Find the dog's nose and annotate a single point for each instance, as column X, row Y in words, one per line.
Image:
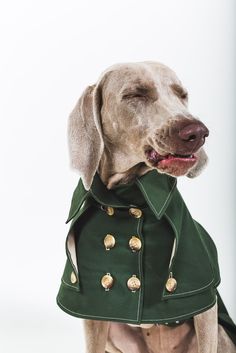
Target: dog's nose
column 194, row 133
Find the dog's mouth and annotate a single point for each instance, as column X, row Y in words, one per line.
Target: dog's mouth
column 172, row 163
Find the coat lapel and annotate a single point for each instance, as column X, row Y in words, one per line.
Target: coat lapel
column 157, row 190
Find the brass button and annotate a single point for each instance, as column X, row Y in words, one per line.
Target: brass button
column 73, row 278
column 133, row 283
column 109, row 241
column 107, row 281
column 135, row 243
column 110, row 210
column 171, row 284
column 135, row 212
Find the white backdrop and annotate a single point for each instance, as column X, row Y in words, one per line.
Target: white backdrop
column 50, row 51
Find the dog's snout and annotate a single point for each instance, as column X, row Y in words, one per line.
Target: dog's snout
column 194, row 133
column 185, row 136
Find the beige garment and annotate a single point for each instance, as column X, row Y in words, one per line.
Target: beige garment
column 166, row 339
column 201, row 335
column 158, row 339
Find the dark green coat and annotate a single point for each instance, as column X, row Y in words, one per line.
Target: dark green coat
column 173, row 245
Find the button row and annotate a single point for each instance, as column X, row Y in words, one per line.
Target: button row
column 133, row 282
column 135, row 243
column 134, row 212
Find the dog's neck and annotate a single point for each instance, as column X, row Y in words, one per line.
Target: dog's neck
column 111, row 179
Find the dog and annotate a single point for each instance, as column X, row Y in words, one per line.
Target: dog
column 134, row 120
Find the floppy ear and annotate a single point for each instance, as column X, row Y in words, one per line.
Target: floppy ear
column 200, row 165
column 85, row 138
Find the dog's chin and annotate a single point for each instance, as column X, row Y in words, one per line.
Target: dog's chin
column 202, row 161
column 175, row 164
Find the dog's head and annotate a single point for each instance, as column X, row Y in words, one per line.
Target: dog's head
column 136, row 114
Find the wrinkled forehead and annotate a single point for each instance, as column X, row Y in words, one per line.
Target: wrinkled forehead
column 149, row 75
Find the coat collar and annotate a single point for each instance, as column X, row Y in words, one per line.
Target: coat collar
column 156, row 190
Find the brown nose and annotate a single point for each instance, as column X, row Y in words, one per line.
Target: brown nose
column 194, row 134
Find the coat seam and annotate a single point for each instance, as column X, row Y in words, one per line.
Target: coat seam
column 92, row 316
column 166, row 200
column 182, row 293
column 193, row 312
column 140, row 271
column 193, row 291
column 175, row 248
column 69, row 285
column 151, row 204
column 121, row 318
column 70, row 217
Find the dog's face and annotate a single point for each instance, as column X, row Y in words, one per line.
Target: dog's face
column 139, row 116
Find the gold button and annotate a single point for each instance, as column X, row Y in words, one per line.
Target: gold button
column 136, row 212
column 171, row 284
column 107, row 281
column 109, row 241
column 133, row 283
column 110, row 210
column 73, row 278
column 135, row 243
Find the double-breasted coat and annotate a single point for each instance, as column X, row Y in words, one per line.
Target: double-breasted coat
column 136, row 255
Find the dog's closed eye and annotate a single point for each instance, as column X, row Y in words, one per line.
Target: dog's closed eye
column 179, row 91
column 139, row 93
column 135, row 96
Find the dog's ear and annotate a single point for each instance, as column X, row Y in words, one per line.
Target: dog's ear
column 85, row 137
column 200, row 165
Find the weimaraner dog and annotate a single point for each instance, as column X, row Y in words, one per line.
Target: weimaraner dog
column 133, row 120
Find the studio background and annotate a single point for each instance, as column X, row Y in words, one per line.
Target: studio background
column 50, row 51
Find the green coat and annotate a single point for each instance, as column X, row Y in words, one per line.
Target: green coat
column 138, row 236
